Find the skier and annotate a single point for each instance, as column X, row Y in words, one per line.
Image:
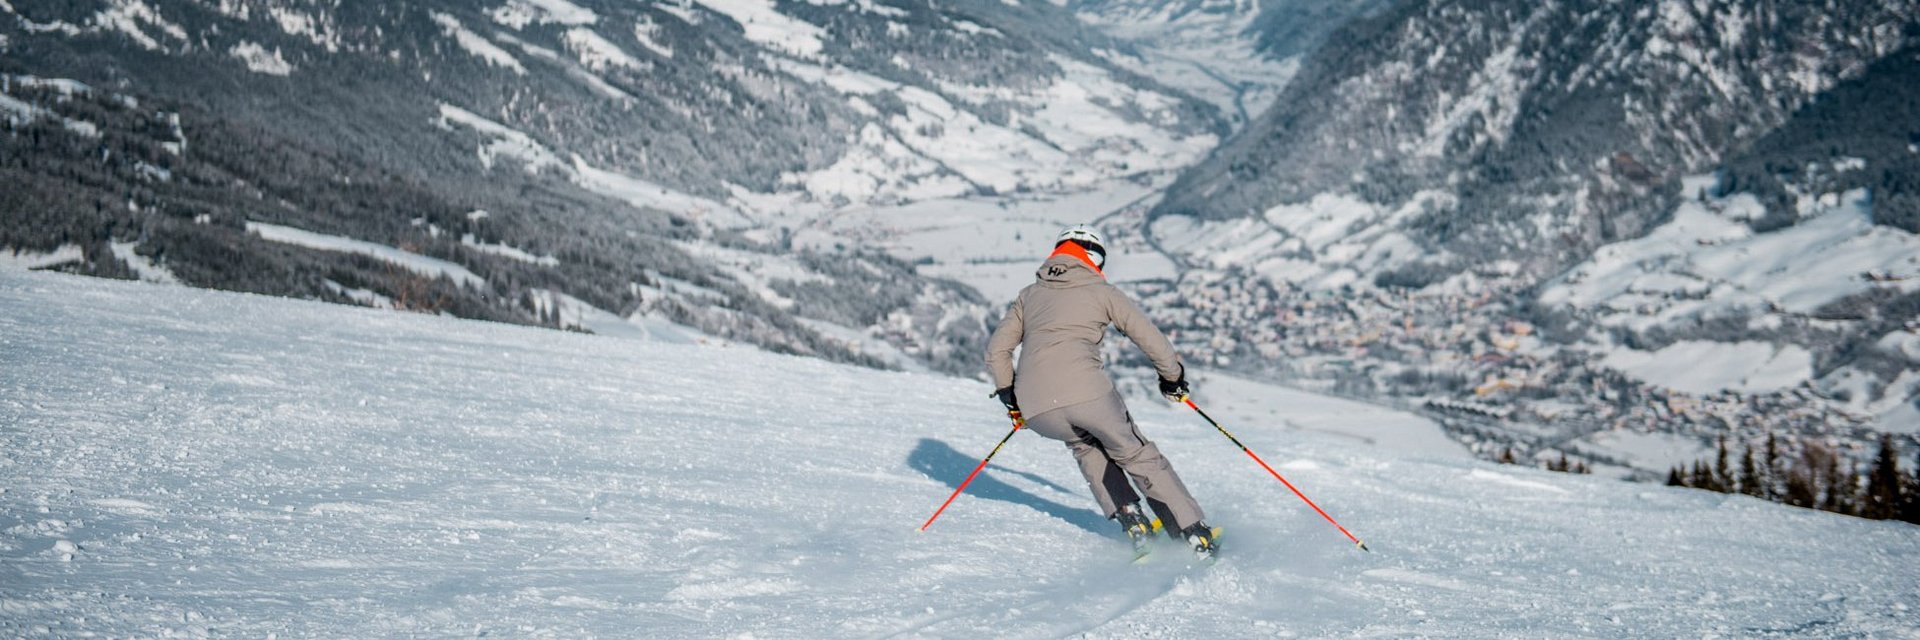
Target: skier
column 1063, row 393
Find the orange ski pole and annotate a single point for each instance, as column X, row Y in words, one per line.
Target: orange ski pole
column 1276, row 475
column 1017, row 423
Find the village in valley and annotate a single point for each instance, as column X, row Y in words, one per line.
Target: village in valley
column 1466, row 355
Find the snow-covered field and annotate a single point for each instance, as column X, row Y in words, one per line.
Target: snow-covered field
column 994, row 244
column 189, row 462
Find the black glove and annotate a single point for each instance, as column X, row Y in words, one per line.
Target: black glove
column 1175, row 389
column 1005, row 394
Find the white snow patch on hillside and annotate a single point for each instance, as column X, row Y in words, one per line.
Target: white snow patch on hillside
column 756, row 271
column 974, row 28
column 863, row 342
column 142, row 266
column 682, row 9
column 360, row 296
column 1080, row 130
column 1904, row 344
column 65, row 86
column 642, row 193
column 479, row 46
column 597, row 53
column 21, row 260
column 866, row 6
column 574, row 313
column 507, row 141
column 842, row 79
column 509, row 251
column 879, row 168
column 1702, row 367
column 127, row 16
column 424, row 476
column 512, row 143
column 573, row 71
column 1650, row 452
column 992, row 244
column 1706, row 261
column 1329, row 241
column 82, row 128
column 1080, row 114
column 315, row 30
column 259, row 60
column 517, row 14
column 423, row 265
column 647, row 33
column 765, row 25
column 21, row 112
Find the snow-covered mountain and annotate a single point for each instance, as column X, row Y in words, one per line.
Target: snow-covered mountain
column 1441, row 135
column 204, row 463
column 666, row 161
column 1494, row 209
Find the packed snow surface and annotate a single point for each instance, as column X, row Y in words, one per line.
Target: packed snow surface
column 191, row 462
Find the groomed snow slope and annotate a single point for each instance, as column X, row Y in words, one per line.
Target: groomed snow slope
column 202, row 463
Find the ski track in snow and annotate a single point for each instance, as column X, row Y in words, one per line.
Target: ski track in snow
column 188, row 462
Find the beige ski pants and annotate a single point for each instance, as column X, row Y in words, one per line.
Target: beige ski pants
column 1110, row 449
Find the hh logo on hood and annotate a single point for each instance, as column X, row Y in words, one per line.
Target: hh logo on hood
column 1056, row 271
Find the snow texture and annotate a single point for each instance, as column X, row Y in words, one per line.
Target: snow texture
column 192, row 462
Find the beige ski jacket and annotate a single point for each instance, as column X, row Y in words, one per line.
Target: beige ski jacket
column 1059, row 322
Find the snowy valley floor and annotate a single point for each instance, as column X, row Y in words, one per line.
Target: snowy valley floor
column 190, row 462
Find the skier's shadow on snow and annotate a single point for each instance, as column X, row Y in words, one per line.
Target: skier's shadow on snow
column 942, row 462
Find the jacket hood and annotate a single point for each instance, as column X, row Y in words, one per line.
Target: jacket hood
column 1065, row 270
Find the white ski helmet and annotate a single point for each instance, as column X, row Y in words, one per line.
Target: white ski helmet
column 1088, row 239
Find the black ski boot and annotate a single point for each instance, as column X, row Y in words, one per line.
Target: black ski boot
column 1204, row 540
column 1138, row 527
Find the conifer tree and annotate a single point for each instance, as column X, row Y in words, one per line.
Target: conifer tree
column 1702, row 478
column 1800, row 490
column 1774, row 474
column 1673, row 477
column 1722, row 474
column 1883, row 499
column 1840, row 485
column 1749, row 474
column 1851, row 500
column 1911, row 511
